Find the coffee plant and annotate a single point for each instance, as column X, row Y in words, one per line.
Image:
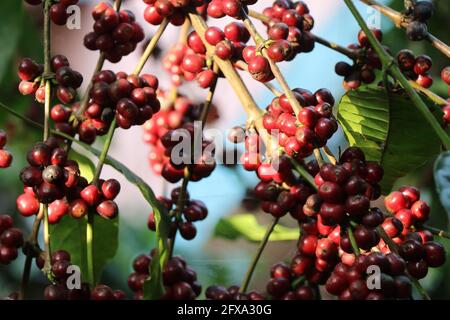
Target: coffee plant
column 352, row 224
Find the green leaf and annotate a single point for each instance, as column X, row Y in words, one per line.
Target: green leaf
column 70, row 234
column 246, row 226
column 11, row 16
column 389, row 130
column 442, row 179
column 87, row 168
column 153, row 287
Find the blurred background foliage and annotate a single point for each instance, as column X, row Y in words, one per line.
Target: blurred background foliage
column 21, row 36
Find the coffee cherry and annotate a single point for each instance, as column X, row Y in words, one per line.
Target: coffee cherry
column 277, row 287
column 182, row 291
column 434, row 254
column 308, row 244
column 27, row 205
column 102, row 292
column 78, row 209
column 364, row 40
column 5, row 158
column 416, row 30
column 107, row 209
column 396, row 201
column 411, row 250
column 445, row 75
column 58, row 14
column 421, row 211
column 417, row 269
column 423, row 10
column 12, row 238
column 392, row 226
column 55, row 292
column 110, row 189
column 187, row 230
column 365, row 237
column 358, row 290
column 331, row 192
column 6, row 222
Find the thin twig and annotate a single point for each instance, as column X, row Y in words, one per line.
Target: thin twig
column 262, row 246
column 399, row 21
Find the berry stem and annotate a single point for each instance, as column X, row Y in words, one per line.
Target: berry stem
column 85, row 98
column 399, row 22
column 393, row 247
column 184, row 31
column 262, row 245
column 106, row 146
column 151, row 46
column 351, row 236
column 30, row 247
column 304, row 174
column 319, row 158
column 259, row 16
column 331, row 157
column 438, row 232
column 91, row 213
column 243, row 65
column 259, row 41
column 188, row 170
column 430, row 94
column 352, row 54
column 389, row 64
column 48, row 93
column 298, row 281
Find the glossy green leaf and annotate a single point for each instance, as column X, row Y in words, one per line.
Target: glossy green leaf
column 246, row 226
column 442, row 179
column 389, row 130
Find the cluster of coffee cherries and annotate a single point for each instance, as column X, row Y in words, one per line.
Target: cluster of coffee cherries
column 130, row 99
column 174, row 10
column 66, row 79
column 173, row 125
column 409, row 213
column 282, row 285
column 232, row 8
column 290, row 21
column 316, row 119
column 53, row 179
column 415, row 68
column 10, row 239
column 116, row 34
column 417, row 16
column 58, row 291
column 58, row 10
column 5, row 156
column 280, row 191
column 203, row 162
column 180, row 281
column 353, row 282
column 193, row 211
column 363, row 68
